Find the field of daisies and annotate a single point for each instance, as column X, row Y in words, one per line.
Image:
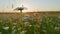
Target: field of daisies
column 30, row 24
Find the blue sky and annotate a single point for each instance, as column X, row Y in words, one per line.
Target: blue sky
column 42, row 5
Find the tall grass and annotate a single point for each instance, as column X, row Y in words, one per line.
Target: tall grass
column 31, row 25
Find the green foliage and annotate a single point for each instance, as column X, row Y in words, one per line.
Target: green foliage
column 31, row 25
